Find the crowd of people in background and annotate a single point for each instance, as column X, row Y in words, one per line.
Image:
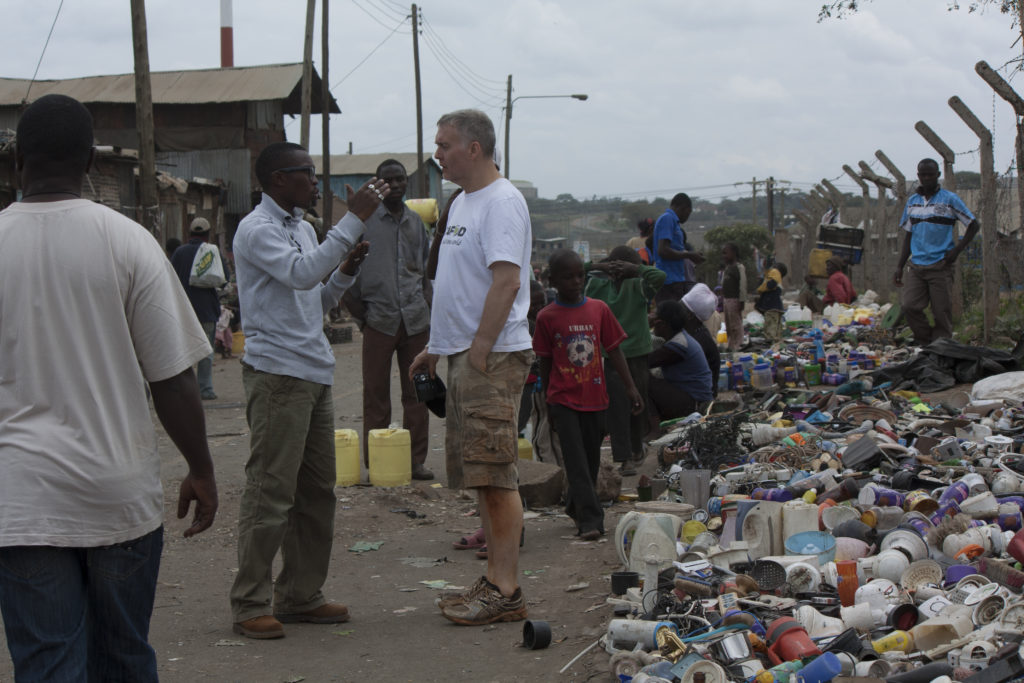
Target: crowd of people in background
column 620, row 347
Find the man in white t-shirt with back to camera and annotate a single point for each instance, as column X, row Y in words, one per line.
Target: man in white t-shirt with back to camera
column 91, row 313
column 478, row 321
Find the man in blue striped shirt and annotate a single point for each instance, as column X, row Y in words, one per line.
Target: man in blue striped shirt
column 929, row 220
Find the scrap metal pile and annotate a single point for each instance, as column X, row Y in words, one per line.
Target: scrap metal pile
column 856, row 533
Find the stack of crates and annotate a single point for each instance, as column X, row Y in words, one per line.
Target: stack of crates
column 842, row 240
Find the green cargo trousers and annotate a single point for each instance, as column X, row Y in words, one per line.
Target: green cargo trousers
column 288, row 503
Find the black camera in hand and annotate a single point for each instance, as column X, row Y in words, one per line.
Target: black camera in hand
column 430, row 390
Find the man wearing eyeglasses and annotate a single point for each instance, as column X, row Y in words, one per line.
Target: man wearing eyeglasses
column 287, row 371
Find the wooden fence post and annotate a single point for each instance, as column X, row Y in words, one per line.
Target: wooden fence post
column 990, row 284
column 861, row 282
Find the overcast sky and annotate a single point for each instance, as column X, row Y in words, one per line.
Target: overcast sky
column 691, row 95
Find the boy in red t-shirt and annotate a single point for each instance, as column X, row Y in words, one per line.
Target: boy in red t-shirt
column 569, row 337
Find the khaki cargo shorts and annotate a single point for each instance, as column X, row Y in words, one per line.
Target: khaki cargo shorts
column 481, row 442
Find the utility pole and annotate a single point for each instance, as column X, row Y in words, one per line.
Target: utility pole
column 508, row 119
column 753, row 200
column 325, row 103
column 149, row 201
column 769, row 187
column 421, row 182
column 307, row 74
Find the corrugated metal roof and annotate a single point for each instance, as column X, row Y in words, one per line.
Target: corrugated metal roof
column 366, row 164
column 200, row 86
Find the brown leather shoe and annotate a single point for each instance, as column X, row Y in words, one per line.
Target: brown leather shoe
column 327, row 613
column 264, row 627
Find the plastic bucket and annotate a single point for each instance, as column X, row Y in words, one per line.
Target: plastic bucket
column 346, row 456
column 238, row 343
column 788, row 640
column 390, row 452
column 817, row 543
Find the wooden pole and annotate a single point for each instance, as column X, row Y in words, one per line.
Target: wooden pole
column 990, row 283
column 421, row 181
column 307, row 74
column 900, row 188
column 879, row 267
column 835, row 195
column 944, row 150
column 508, row 119
column 149, row 201
column 325, row 103
column 1004, row 90
column 860, row 273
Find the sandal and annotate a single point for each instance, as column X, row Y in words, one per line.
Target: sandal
column 474, row 540
column 482, row 553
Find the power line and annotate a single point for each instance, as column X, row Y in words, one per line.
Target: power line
column 369, row 13
column 430, row 29
column 491, row 104
column 45, row 45
column 396, row 6
column 454, row 71
column 363, row 60
column 388, row 10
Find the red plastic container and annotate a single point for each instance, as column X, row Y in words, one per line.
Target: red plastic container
column 1016, row 547
column 788, row 640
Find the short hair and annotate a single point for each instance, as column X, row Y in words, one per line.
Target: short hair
column 624, row 253
column 389, row 162
column 473, row 126
column 56, row 128
column 781, row 267
column 171, row 245
column 271, row 159
column 672, row 313
column 734, row 247
column 929, row 161
column 682, row 200
column 536, row 287
column 562, row 258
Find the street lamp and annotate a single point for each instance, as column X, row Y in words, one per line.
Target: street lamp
column 509, row 100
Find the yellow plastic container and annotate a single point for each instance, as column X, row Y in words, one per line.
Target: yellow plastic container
column 816, row 262
column 346, row 455
column 722, row 338
column 238, row 343
column 896, row 640
column 390, row 457
column 525, row 449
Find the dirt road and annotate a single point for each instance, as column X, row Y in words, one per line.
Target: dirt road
column 396, row 633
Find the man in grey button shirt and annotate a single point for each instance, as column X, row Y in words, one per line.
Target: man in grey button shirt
column 391, row 302
column 288, row 504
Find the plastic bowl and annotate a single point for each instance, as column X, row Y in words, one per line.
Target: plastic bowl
column 817, row 543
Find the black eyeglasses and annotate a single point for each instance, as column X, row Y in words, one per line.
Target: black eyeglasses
column 309, row 170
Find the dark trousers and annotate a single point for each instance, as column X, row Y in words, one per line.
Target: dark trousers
column 580, row 436
column 81, row 614
column 378, row 349
column 924, row 286
column 673, row 291
column 668, row 401
column 625, row 429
